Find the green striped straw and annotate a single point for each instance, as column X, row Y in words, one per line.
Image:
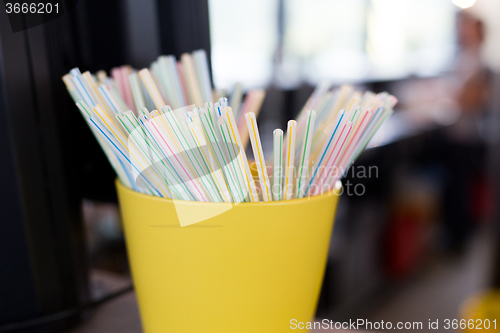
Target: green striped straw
column 304, row 154
column 231, row 150
column 206, row 156
column 178, row 187
column 187, row 150
column 136, row 92
column 218, row 148
column 139, row 137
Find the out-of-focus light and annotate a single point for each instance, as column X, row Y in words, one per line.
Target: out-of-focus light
column 464, row 3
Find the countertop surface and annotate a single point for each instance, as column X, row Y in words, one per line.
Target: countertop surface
column 120, row 314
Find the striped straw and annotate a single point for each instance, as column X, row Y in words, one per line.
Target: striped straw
column 139, row 138
column 167, row 143
column 290, row 158
column 326, row 147
column 258, row 154
column 151, row 88
column 119, row 168
column 192, row 83
column 346, row 155
column 332, row 157
column 304, row 155
column 70, row 86
column 199, row 163
column 200, row 154
column 76, row 76
column 182, row 79
column 168, row 82
column 201, row 62
column 117, row 141
column 136, row 92
column 232, row 156
column 235, row 136
column 171, row 66
column 223, row 162
column 136, row 158
column 207, row 158
column 178, row 182
column 235, row 99
column 171, row 125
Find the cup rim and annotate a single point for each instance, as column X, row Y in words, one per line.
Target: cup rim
column 335, row 191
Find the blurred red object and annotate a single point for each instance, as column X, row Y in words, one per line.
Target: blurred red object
column 405, row 245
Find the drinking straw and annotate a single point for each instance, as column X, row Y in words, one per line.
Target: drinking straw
column 344, row 159
column 115, row 74
column 332, row 157
column 258, row 154
column 183, row 83
column 253, row 103
column 168, row 82
column 138, row 137
column 355, row 114
column 76, row 76
column 171, row 124
column 136, row 92
column 304, row 156
column 219, row 93
column 226, row 114
column 326, row 147
column 235, row 99
column 277, row 163
column 151, row 88
column 200, row 154
column 136, row 158
column 223, row 162
column 197, row 160
column 201, row 63
column 192, row 84
column 207, row 158
column 369, row 98
column 109, row 99
column 232, row 153
column 352, row 114
column 373, row 127
column 119, row 168
column 178, row 182
column 229, row 117
column 117, row 140
column 70, row 86
column 319, row 91
column 326, row 125
column 167, row 143
column 156, row 76
column 117, row 156
column 213, row 114
column 128, row 95
column 150, row 105
column 329, row 99
column 91, row 86
column 311, row 103
column 122, row 106
column 171, row 66
column 290, row 158
column 101, row 76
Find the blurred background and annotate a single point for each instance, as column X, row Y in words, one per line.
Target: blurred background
column 419, row 242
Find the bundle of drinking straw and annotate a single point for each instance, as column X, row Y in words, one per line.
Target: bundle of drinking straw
column 196, row 151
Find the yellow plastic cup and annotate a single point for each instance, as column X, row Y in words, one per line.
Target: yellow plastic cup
column 253, row 268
